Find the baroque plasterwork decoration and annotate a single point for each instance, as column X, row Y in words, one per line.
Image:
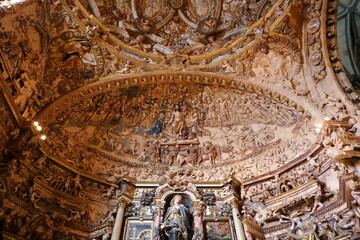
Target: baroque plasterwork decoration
column 156, row 22
column 120, row 91
column 82, row 48
column 154, row 121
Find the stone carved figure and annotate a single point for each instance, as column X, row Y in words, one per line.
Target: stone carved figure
column 157, row 216
column 39, row 163
column 35, row 197
column 312, row 161
column 271, row 64
column 177, row 123
column 177, row 224
column 209, row 153
column 356, row 195
column 77, row 185
column 44, row 226
column 333, row 107
column 78, row 54
column 342, row 225
column 109, row 193
column 158, row 126
column 198, row 232
column 319, row 198
column 110, row 217
column 317, row 201
column 303, row 229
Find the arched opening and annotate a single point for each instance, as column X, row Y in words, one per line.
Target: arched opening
column 349, row 38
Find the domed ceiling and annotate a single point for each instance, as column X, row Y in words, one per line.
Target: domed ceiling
column 159, row 90
column 173, row 34
column 177, row 27
column 110, row 102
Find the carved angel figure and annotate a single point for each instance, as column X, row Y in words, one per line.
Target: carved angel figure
column 333, row 107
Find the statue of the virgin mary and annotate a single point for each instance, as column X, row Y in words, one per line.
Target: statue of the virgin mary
column 177, row 225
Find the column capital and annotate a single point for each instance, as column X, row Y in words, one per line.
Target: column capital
column 197, row 205
column 122, row 202
column 159, row 204
column 233, row 202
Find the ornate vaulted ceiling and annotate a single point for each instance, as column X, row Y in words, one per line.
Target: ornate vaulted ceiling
column 97, row 93
column 112, row 77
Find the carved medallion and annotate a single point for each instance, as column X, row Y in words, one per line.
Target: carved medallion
column 200, row 8
column 313, row 25
column 151, row 9
column 207, row 26
column 315, row 58
column 176, row 4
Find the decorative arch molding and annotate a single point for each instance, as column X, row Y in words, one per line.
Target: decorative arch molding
column 320, row 39
column 186, row 77
column 164, row 191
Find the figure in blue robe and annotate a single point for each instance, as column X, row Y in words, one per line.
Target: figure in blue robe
column 158, row 127
column 177, row 224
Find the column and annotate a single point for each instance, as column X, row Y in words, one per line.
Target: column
column 116, row 233
column 239, row 228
